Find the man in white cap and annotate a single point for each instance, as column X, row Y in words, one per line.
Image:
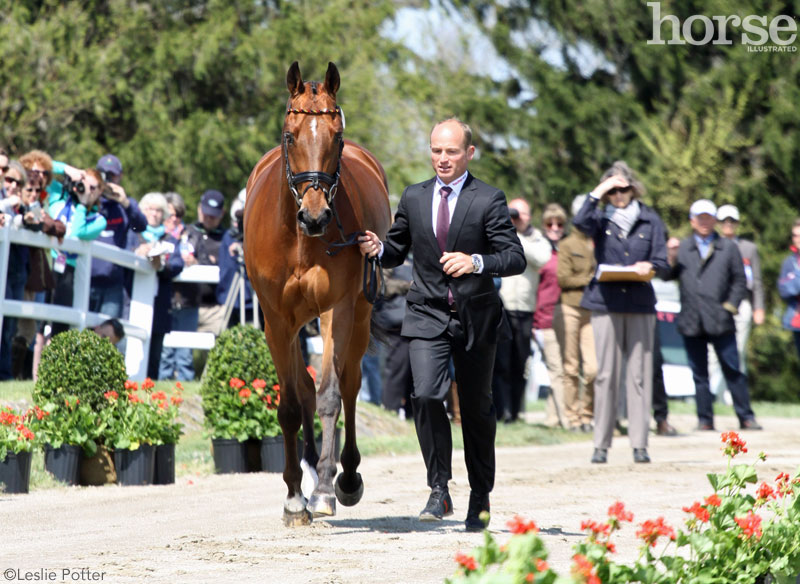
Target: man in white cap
column 751, row 310
column 712, row 284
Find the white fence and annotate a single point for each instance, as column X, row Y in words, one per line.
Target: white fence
column 145, row 285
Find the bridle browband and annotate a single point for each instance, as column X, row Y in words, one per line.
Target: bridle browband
column 313, row 177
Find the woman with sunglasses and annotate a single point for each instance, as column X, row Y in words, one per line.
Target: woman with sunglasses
column 630, row 234
column 547, row 294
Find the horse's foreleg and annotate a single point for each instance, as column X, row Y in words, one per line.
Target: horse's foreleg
column 282, row 348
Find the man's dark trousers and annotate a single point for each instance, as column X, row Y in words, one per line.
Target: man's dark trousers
column 429, row 361
column 728, row 355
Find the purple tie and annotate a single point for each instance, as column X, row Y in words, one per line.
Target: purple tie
column 443, row 218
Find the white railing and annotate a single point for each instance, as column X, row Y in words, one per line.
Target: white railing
column 137, row 326
column 145, row 286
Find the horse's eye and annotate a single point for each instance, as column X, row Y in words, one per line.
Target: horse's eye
column 289, row 138
column 338, row 137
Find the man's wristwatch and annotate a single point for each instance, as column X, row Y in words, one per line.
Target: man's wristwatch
column 477, row 263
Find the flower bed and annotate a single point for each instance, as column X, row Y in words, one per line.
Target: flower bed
column 731, row 536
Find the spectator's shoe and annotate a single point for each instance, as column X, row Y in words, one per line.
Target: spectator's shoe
column 600, row 456
column 640, row 455
column 439, row 505
column 664, row 428
column 705, row 427
column 478, row 505
column 587, row 428
column 751, row 425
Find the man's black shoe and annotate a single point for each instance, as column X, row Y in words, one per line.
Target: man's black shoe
column 600, row 456
column 439, row 505
column 477, row 504
column 751, row 425
column 640, row 455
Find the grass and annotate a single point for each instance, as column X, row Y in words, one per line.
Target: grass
column 386, row 435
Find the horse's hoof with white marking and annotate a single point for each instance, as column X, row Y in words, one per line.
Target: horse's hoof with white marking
column 294, row 511
column 322, row 505
column 349, row 499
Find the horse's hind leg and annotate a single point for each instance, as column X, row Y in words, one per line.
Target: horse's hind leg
column 349, row 486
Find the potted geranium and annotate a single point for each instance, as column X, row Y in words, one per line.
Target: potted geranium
column 243, row 412
column 130, row 426
column 237, row 428
column 166, row 432
column 16, row 443
column 66, row 429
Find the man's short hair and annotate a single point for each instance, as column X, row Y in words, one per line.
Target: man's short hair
column 464, row 128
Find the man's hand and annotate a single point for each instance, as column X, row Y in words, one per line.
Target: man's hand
column 673, row 243
column 116, row 193
column 758, row 316
column 613, row 182
column 643, row 268
column 456, row 263
column 369, row 244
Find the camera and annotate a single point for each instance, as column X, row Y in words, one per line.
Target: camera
column 74, row 188
column 513, row 213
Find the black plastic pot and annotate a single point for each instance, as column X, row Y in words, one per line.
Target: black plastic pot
column 164, row 473
column 229, row 455
column 273, row 457
column 63, row 462
column 135, row 467
column 15, row 472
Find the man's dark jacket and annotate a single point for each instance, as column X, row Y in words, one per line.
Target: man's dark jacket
column 711, row 289
column 480, row 225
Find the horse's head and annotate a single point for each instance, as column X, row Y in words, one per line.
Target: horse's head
column 312, row 147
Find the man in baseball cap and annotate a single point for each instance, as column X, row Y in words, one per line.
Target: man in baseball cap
column 110, row 165
column 212, row 203
column 712, row 285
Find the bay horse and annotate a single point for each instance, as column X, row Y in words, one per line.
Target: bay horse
column 307, row 200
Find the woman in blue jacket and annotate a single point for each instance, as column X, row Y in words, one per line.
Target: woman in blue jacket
column 789, row 286
column 627, row 234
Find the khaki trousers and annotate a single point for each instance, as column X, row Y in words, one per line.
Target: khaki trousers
column 573, row 328
column 623, row 337
column 555, row 414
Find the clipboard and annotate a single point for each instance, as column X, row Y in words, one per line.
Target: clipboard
column 611, row 273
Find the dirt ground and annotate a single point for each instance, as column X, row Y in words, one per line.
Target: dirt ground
column 227, row 528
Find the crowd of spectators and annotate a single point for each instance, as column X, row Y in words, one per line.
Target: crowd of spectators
column 91, row 204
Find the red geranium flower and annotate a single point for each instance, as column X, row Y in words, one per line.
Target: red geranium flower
column 519, row 526
column 651, row 530
column 750, row 525
column 131, row 385
column 176, row 400
column 259, row 384
column 148, row 384
column 583, row 568
column 245, row 393
column 713, row 500
column 111, row 395
column 733, row 444
column 467, row 562
column 765, row 492
column 159, row 396
column 236, row 383
column 595, row 527
column 618, row 510
column 698, row 511
column 541, row 565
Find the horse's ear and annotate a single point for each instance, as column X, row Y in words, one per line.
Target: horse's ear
column 294, row 81
column 332, row 79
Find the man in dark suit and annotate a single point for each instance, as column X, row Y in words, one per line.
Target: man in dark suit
column 453, row 309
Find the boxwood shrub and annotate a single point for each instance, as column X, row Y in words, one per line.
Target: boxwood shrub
column 82, row 364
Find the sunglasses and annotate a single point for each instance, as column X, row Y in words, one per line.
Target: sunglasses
column 29, row 189
column 617, row 190
column 4, row 169
column 39, row 172
column 11, row 179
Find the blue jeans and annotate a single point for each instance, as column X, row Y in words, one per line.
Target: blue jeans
column 178, row 363
column 107, row 300
column 728, row 356
column 371, row 387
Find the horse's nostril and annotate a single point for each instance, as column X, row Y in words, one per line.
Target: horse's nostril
column 325, row 217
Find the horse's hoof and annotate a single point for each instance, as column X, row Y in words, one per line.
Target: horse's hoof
column 349, row 499
column 322, row 505
column 298, row 519
column 310, row 478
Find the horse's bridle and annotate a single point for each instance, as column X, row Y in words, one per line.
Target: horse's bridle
column 313, row 177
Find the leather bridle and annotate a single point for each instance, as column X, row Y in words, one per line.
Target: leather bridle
column 314, row 178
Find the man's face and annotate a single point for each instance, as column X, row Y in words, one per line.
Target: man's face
column 209, row 222
column 703, row 224
column 449, row 157
column 521, row 223
column 728, row 227
column 92, row 186
column 37, row 176
column 106, row 331
column 796, row 237
column 112, row 178
column 3, row 165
